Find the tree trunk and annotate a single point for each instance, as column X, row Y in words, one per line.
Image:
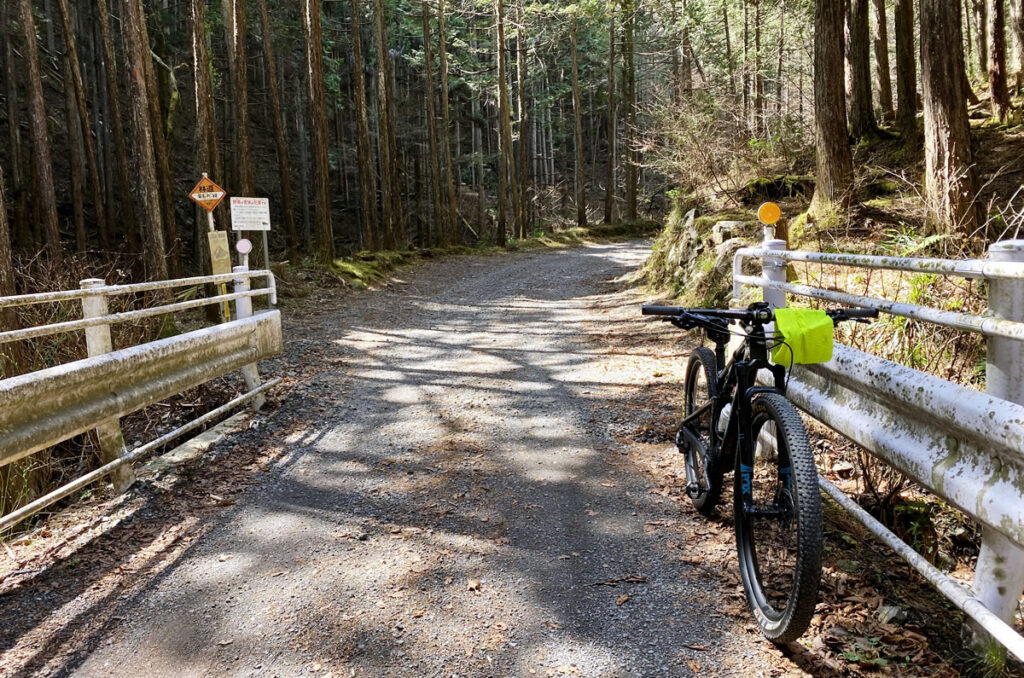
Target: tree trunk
column 581, row 178
column 446, row 123
column 85, row 125
column 906, row 73
column 391, row 194
column 75, row 160
column 862, row 113
column 367, row 177
column 523, row 181
column 881, row 40
column 609, row 189
column 1017, row 32
column 283, row 164
column 45, row 195
column 758, row 74
column 10, row 354
column 980, row 12
column 318, row 124
column 997, row 59
column 117, row 126
column 728, row 49
column 161, row 149
column 629, row 87
column 950, row 185
column 7, row 289
column 440, row 227
column 833, row 160
column 782, row 54
column 145, row 184
column 20, row 232
column 504, row 124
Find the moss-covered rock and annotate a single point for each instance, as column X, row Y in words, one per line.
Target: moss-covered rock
column 687, row 262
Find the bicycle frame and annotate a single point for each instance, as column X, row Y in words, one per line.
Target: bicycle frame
column 737, row 384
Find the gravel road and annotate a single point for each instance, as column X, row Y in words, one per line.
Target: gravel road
column 454, row 505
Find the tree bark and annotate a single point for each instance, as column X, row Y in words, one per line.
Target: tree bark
column 504, row 124
column 979, row 9
column 862, row 113
column 833, row 160
column 435, row 152
column 45, row 195
column 145, row 184
column 758, row 74
column 75, row 160
column 950, row 184
column 881, row 40
column 446, row 123
column 782, row 54
column 523, row 181
column 117, row 126
column 10, row 354
column 312, row 33
column 906, row 73
column 85, row 125
column 283, row 163
column 581, row 178
column 609, row 189
column 160, row 143
column 629, row 87
column 728, row 49
column 998, row 92
column 391, row 194
column 367, row 177
column 1017, row 32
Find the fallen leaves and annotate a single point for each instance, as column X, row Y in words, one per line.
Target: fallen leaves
column 622, row 600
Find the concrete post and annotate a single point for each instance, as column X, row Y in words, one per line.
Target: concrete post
column 98, row 342
column 243, row 309
column 999, row 575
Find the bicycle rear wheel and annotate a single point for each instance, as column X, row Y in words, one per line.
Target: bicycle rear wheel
column 777, row 511
column 697, row 439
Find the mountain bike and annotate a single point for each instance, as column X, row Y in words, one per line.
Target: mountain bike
column 731, row 422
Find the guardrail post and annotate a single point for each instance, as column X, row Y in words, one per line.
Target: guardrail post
column 999, row 575
column 98, row 342
column 243, row 309
column 774, row 269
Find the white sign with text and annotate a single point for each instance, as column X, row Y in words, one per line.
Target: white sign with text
column 250, row 214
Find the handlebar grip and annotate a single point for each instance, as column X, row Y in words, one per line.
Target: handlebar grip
column 861, row 312
column 662, row 310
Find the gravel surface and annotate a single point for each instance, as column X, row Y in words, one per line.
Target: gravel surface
column 451, row 499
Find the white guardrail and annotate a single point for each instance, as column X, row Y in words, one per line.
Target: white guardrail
column 965, row 446
column 46, row 407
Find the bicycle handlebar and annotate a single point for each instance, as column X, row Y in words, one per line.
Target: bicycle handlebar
column 727, row 313
column 752, row 314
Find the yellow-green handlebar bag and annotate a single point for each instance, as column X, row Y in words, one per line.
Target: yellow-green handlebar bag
column 808, row 336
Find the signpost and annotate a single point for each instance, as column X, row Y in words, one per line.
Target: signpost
column 208, row 195
column 252, row 214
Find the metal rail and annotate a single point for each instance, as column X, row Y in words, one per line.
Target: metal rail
column 135, row 288
column 126, row 316
column 38, row 505
column 43, row 408
column 985, row 269
column 966, row 447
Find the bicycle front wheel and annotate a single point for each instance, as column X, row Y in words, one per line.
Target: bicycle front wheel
column 697, row 439
column 777, row 509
